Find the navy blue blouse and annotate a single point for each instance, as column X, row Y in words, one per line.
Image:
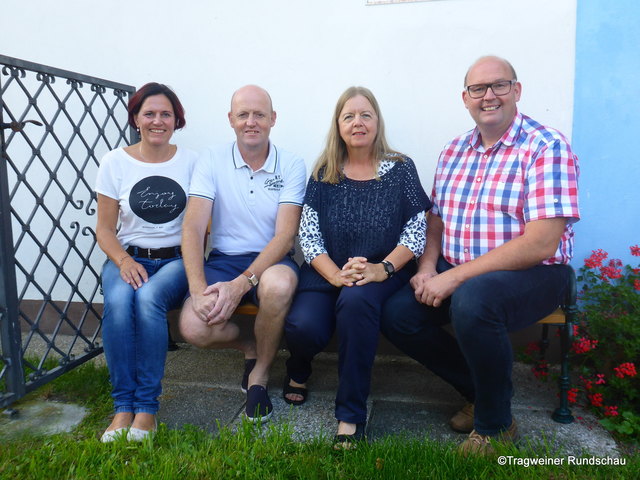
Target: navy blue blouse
column 366, row 218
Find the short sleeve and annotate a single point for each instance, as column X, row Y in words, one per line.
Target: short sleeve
column 202, row 181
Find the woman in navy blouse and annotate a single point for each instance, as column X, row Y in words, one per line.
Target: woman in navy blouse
column 363, row 222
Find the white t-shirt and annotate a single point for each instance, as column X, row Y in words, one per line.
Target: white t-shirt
column 245, row 203
column 152, row 196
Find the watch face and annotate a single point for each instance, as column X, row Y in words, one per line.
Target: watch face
column 388, row 268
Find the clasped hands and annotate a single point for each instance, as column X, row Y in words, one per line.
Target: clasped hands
column 358, row 271
column 216, row 304
column 432, row 288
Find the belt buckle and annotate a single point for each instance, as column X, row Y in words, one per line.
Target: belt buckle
column 149, row 254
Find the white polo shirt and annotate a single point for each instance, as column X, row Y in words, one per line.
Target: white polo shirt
column 245, row 203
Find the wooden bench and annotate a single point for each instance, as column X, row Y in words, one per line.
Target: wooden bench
column 564, row 319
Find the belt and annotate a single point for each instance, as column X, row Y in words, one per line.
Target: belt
column 154, row 253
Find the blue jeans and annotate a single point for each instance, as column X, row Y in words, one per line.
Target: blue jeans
column 355, row 313
column 134, row 331
column 482, row 311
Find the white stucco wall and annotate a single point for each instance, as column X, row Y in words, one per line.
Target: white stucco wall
column 412, row 55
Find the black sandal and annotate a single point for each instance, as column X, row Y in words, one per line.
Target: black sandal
column 288, row 389
column 349, row 442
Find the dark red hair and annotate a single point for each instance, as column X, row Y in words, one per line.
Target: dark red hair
column 153, row 88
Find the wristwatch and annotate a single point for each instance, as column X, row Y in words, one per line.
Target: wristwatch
column 251, row 277
column 389, row 269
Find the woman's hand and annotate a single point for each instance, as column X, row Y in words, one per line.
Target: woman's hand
column 132, row 272
column 360, row 272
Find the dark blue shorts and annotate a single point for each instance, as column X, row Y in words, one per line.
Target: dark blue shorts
column 222, row 268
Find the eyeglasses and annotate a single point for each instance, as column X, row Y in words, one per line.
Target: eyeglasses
column 499, row 88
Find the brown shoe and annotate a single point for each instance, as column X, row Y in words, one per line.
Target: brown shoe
column 477, row 444
column 462, row 421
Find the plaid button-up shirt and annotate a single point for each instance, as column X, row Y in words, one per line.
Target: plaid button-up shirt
column 485, row 197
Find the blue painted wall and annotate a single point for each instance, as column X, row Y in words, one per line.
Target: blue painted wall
column 606, row 127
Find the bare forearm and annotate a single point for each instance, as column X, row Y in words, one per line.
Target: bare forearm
column 111, row 246
column 192, row 256
column 433, row 248
column 272, row 253
column 399, row 256
column 325, row 267
column 539, row 242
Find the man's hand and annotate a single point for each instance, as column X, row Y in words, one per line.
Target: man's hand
column 418, row 281
column 203, row 303
column 228, row 296
column 432, row 288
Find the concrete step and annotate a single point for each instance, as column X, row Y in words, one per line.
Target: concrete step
column 202, row 388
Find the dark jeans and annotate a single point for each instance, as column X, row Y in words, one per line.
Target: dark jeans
column 355, row 313
column 482, row 311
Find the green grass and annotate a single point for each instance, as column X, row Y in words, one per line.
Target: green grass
column 253, row 452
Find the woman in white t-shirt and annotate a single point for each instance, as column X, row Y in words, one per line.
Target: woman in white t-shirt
column 142, row 195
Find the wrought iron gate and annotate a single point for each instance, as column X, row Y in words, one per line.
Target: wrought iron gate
column 49, row 259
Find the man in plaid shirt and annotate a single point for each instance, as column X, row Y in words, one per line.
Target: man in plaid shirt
column 499, row 234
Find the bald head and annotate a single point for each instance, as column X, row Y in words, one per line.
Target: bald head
column 252, row 117
column 490, row 58
column 253, row 92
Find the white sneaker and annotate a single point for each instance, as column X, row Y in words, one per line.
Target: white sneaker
column 112, row 435
column 138, row 435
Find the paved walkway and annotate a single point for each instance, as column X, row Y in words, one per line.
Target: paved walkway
column 202, row 388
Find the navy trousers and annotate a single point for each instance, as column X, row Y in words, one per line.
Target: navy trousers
column 482, row 311
column 354, row 312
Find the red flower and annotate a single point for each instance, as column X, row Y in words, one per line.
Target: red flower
column 532, row 347
column 572, row 395
column 600, row 380
column 595, row 399
column 583, row 345
column 611, row 271
column 541, row 370
column 596, row 258
column 635, row 250
column 610, row 411
column 636, row 283
column 625, row 369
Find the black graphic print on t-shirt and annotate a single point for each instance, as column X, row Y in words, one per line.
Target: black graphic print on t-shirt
column 157, row 199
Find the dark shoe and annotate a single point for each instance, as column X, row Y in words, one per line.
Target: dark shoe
column 462, row 421
column 349, row 442
column 288, row 389
column 248, row 367
column 259, row 408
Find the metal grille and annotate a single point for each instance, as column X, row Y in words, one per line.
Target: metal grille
column 50, row 263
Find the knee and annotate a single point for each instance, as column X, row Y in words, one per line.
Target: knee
column 118, row 304
column 148, row 297
column 277, row 285
column 302, row 334
column 191, row 328
column 473, row 305
column 357, row 303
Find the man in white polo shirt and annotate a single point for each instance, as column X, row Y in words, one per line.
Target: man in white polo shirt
column 252, row 192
